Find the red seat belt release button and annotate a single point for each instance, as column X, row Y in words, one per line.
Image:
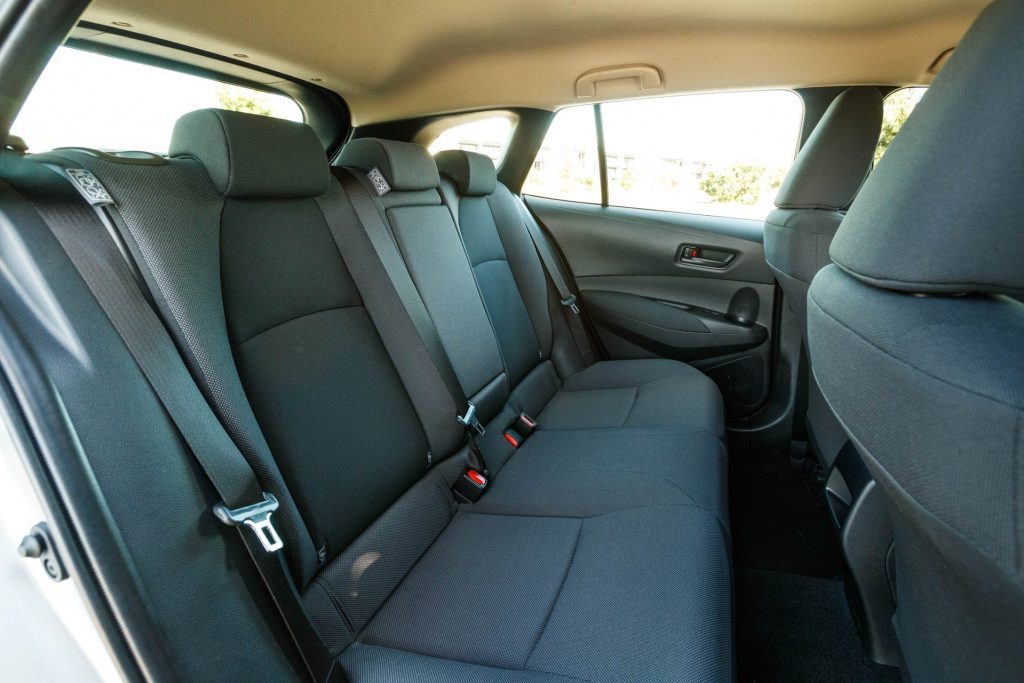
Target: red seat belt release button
column 470, row 486
column 512, row 437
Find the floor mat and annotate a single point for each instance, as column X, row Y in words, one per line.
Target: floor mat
column 779, row 520
column 798, row 628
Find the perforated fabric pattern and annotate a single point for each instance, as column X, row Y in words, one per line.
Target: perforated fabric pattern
column 374, row 664
column 653, row 587
column 363, row 577
column 173, row 214
column 253, row 157
column 486, row 575
column 948, row 425
column 433, row 400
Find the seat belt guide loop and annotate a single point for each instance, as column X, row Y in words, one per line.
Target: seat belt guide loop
column 570, row 301
column 470, row 421
column 257, row 518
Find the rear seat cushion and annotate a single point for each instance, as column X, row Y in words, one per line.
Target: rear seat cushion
column 638, row 595
column 583, row 472
column 637, row 393
column 648, row 392
column 619, row 572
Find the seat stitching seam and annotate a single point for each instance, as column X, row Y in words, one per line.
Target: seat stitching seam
column 298, row 317
column 336, row 602
column 413, row 566
column 558, row 594
column 1017, row 494
column 449, row 658
column 632, row 406
column 659, row 506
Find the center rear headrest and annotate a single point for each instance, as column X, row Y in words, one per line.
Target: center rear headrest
column 837, row 156
column 942, row 211
column 473, row 173
column 406, row 166
column 249, row 156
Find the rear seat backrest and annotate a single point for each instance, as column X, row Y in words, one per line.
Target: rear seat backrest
column 300, row 336
column 241, row 260
column 511, row 277
column 436, row 258
column 247, row 269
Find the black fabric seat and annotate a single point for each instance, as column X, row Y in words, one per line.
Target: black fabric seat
column 915, row 334
column 493, row 284
column 650, row 417
column 811, row 203
column 579, row 563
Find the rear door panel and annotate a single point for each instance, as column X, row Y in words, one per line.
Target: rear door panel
column 646, row 300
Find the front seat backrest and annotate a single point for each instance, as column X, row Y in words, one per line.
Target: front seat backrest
column 818, row 189
column 916, row 343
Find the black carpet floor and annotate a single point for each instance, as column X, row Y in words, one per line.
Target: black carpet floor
column 792, row 619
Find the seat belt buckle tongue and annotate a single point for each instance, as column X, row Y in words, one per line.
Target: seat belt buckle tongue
column 470, row 421
column 470, row 486
column 256, row 517
column 570, row 301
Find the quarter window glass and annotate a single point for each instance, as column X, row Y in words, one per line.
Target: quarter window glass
column 90, row 100
column 896, row 109
column 566, row 167
column 486, row 136
column 720, row 154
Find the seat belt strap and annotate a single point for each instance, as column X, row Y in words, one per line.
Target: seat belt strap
column 84, row 237
column 573, row 315
column 393, row 302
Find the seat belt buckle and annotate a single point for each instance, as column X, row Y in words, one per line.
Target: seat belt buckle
column 570, row 301
column 469, row 419
column 470, row 486
column 525, row 425
column 256, row 517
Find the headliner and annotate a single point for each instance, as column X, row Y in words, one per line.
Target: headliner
column 395, row 60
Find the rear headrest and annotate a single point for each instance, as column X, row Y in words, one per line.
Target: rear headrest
column 837, row 156
column 405, row 165
column 942, row 211
column 473, row 173
column 253, row 157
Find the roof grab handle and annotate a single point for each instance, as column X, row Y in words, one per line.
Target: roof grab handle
column 646, row 77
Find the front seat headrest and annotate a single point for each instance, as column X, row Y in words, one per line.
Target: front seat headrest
column 836, row 158
column 942, row 211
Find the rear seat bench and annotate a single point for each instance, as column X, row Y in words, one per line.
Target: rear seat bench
column 600, row 551
column 655, row 422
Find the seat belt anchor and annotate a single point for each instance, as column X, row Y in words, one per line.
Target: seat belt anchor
column 470, row 421
column 570, row 301
column 256, row 517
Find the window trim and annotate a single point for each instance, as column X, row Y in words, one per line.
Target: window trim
column 322, row 109
column 602, row 157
